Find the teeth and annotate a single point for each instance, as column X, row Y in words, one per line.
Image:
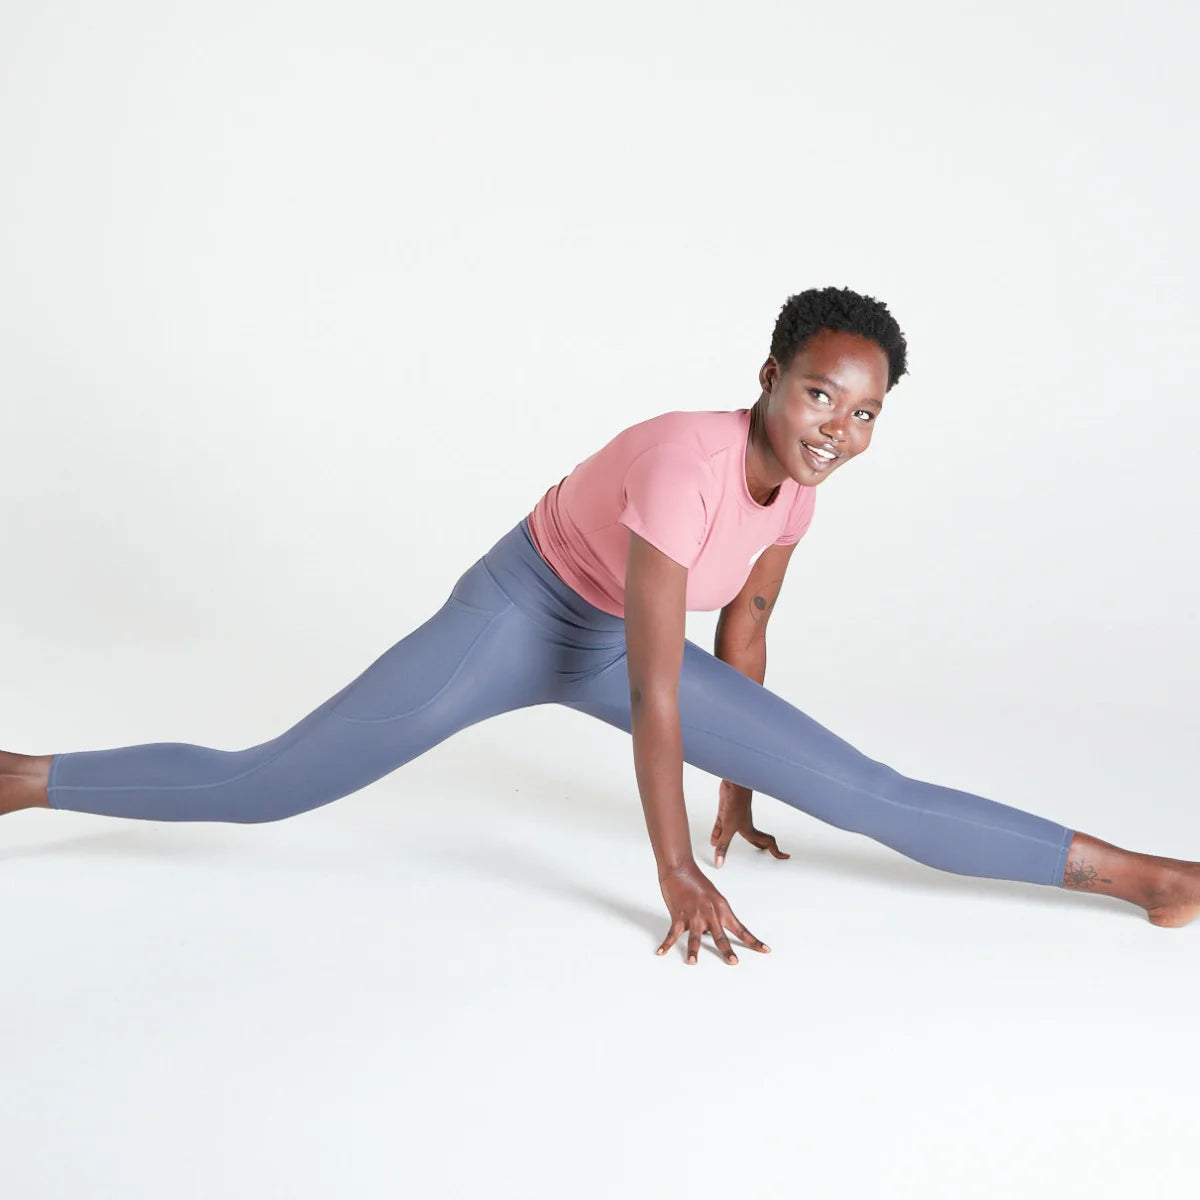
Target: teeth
column 825, row 454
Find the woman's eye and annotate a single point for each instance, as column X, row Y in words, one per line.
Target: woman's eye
column 866, row 413
column 817, row 392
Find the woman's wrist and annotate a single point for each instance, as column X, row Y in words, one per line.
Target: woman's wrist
column 675, row 865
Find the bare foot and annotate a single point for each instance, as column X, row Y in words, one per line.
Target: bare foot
column 1177, row 900
column 1167, row 888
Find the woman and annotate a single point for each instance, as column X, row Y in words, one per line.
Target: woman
column 582, row 603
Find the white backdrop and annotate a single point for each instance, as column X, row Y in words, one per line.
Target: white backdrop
column 304, row 305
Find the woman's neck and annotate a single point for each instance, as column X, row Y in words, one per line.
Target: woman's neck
column 754, row 449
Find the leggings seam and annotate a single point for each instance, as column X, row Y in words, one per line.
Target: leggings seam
column 476, row 608
column 863, row 791
column 177, row 787
column 408, row 712
column 484, row 564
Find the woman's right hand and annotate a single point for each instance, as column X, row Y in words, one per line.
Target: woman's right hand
column 696, row 906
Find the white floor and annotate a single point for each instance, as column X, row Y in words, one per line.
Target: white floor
column 445, row 984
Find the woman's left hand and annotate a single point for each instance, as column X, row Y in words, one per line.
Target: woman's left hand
column 733, row 816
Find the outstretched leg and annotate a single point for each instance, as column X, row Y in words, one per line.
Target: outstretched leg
column 476, row 657
column 736, row 729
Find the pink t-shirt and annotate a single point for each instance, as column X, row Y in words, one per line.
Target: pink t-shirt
column 679, row 481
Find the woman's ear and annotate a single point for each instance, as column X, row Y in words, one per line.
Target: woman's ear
column 768, row 373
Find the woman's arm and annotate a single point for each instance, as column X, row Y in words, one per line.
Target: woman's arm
column 742, row 625
column 655, row 615
column 741, row 641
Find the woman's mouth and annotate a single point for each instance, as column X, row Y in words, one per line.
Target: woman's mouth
column 818, row 459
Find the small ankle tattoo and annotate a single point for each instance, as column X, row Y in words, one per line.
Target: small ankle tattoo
column 1081, row 874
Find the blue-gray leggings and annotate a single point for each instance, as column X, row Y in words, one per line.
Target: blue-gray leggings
column 510, row 635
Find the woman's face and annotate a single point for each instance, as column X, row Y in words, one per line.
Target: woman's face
column 822, row 410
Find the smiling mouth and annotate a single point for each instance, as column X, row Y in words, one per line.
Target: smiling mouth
column 817, row 459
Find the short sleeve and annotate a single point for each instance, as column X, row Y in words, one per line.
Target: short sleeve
column 665, row 499
column 799, row 517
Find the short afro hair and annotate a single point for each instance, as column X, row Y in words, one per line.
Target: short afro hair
column 838, row 308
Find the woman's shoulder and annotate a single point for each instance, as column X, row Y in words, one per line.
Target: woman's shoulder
column 688, row 421
column 702, row 433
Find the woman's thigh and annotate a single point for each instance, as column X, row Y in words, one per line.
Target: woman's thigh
column 736, row 729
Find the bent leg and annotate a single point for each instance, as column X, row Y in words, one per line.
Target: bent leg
column 476, row 657
column 736, row 729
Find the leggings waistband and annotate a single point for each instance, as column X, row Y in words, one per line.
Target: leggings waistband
column 530, row 582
